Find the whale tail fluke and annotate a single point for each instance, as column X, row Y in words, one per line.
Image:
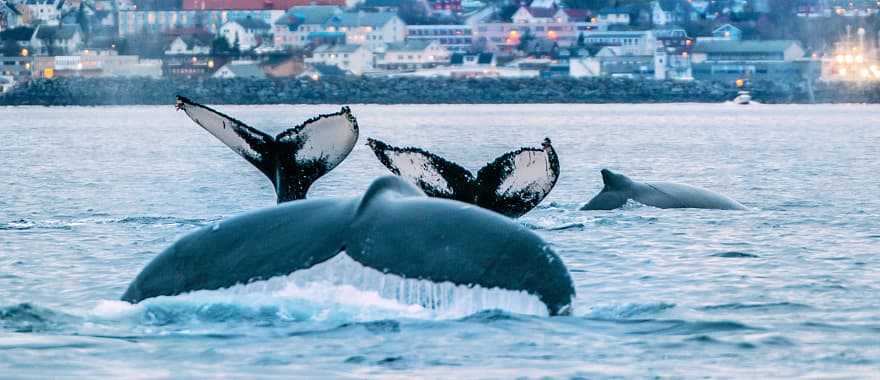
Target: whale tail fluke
column 435, row 175
column 511, row 185
column 292, row 160
column 518, row 181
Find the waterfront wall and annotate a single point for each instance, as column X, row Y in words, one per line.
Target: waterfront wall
column 353, row 90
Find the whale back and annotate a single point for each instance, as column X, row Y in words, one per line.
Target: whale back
column 250, row 247
column 677, row 195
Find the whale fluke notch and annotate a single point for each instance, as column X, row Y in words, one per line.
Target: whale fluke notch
column 292, row 160
column 393, row 229
column 512, row 184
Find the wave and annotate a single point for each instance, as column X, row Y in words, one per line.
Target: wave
column 682, row 327
column 755, row 307
column 627, row 311
column 25, row 317
column 734, row 255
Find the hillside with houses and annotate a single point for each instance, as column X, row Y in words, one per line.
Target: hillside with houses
column 728, row 41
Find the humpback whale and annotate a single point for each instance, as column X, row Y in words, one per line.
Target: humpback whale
column 512, row 185
column 619, row 188
column 393, row 231
column 292, row 160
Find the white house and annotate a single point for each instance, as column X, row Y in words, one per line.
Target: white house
column 354, row 58
column 671, row 12
column 248, row 33
column 373, row 30
column 293, row 29
column 54, row 40
column 188, row 46
column 412, row 55
column 240, row 69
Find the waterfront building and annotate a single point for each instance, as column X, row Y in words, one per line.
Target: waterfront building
column 96, row 64
column 353, row 58
column 412, row 55
column 628, row 42
column 452, row 37
column 240, row 69
column 749, row 59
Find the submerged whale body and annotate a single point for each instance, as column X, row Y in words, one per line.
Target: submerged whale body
column 393, row 230
column 619, row 188
column 512, row 185
column 295, row 158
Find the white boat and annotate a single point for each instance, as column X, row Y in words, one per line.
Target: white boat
column 743, row 98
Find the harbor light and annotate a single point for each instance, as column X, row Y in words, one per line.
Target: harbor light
column 839, row 58
column 25, row 52
column 848, row 58
column 210, row 63
column 860, row 58
column 740, row 83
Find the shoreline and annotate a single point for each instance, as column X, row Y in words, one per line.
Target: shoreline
column 425, row 91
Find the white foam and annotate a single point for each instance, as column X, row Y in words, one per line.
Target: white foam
column 418, row 168
column 345, row 284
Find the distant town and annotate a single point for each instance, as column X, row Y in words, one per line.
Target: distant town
column 733, row 42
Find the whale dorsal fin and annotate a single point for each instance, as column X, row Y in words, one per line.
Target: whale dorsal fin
column 293, row 160
column 615, row 181
column 436, row 176
column 518, row 181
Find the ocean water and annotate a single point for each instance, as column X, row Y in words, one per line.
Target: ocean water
column 788, row 289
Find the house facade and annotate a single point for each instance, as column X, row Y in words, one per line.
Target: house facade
column 294, row 28
column 412, row 55
column 247, row 33
column 766, row 59
column 452, row 37
column 372, row 30
column 356, row 59
column 56, row 40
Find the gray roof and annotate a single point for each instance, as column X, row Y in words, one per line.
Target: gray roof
column 750, row 46
column 246, row 70
column 336, row 48
column 382, row 3
column 308, row 15
column 62, row 32
column 251, row 23
column 412, row 45
column 356, row 19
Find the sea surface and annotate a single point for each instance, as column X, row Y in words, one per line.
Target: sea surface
column 788, row 289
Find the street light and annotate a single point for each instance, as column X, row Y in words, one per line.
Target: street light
column 25, row 52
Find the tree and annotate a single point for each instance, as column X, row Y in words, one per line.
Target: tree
column 220, row 46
